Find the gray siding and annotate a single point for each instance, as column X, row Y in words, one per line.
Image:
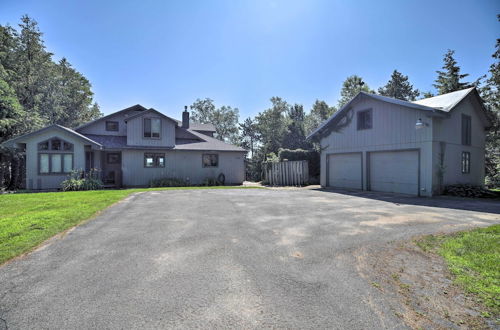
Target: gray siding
column 393, row 128
column 449, row 130
column 135, row 132
column 181, row 164
column 50, row 181
column 99, row 127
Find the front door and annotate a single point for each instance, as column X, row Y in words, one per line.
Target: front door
column 112, row 168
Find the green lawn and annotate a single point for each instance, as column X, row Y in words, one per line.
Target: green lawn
column 473, row 257
column 26, row 219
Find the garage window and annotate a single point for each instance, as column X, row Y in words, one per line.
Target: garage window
column 365, row 119
column 465, row 162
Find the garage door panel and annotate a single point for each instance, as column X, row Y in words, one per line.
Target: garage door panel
column 344, row 171
column 394, row 171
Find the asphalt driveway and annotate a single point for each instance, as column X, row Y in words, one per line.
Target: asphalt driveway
column 242, row 258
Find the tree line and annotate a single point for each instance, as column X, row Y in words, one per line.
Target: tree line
column 36, row 91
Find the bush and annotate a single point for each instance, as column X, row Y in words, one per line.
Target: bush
column 312, row 156
column 168, row 182
column 79, row 180
column 466, row 190
column 211, row 182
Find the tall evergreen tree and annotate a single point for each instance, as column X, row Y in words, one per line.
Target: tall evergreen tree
column 491, row 96
column 449, row 80
column 11, row 112
column 350, row 88
column 399, row 87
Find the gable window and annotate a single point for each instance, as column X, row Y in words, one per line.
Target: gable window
column 112, row 126
column 465, row 162
column 55, row 157
column 364, row 119
column 152, row 128
column 210, row 160
column 154, row 160
column 466, row 130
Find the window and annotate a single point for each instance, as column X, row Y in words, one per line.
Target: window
column 55, row 163
column 466, row 130
column 56, row 156
column 112, row 126
column 210, row 160
column 365, row 119
column 465, row 162
column 152, row 128
column 113, row 158
column 55, row 144
column 154, row 160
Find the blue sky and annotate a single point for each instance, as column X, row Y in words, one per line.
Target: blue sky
column 165, row 54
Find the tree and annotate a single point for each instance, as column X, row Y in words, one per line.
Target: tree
column 399, row 87
column 249, row 135
column 319, row 113
column 428, row 94
column 271, row 125
column 449, row 80
column 295, row 136
column 11, row 112
column 350, row 88
column 491, row 96
column 225, row 119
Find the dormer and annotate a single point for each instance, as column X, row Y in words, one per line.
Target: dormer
column 151, row 128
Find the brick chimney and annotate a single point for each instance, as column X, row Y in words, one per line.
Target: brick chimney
column 185, row 117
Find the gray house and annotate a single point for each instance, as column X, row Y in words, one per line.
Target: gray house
column 130, row 147
column 383, row 144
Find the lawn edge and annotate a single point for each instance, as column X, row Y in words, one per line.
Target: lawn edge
column 133, row 192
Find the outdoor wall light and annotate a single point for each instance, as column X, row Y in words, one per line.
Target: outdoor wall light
column 420, row 124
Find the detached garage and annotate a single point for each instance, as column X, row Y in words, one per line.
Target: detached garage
column 417, row 148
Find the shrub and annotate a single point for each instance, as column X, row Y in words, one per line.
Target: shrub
column 466, row 190
column 300, row 154
column 211, row 182
column 79, row 180
column 167, row 182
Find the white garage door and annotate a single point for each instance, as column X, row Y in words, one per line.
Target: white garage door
column 344, row 171
column 395, row 171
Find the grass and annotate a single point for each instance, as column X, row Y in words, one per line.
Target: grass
column 473, row 257
column 26, row 219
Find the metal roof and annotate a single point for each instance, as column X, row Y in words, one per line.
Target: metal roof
column 445, row 102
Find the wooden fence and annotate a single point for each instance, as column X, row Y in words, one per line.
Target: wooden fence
column 287, row 173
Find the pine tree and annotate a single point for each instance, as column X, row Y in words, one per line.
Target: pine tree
column 272, row 124
column 399, row 87
column 491, row 96
column 449, row 80
column 350, row 88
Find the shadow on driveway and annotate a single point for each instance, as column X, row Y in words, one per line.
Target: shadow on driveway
column 487, row 205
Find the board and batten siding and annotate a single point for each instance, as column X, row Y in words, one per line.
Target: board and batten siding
column 449, row 131
column 393, row 128
column 135, row 131
column 185, row 165
column 50, row 181
column 99, row 127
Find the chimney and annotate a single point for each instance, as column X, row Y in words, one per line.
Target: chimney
column 185, row 117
